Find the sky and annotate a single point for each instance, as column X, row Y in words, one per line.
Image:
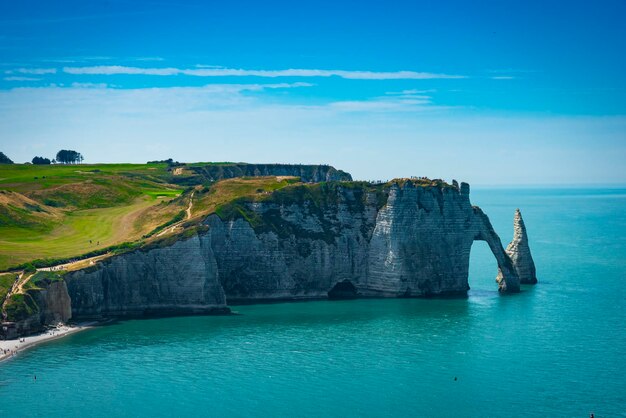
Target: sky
column 488, row 92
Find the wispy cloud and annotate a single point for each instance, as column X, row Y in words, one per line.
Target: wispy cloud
column 409, row 92
column 34, row 71
column 222, row 122
column 60, row 60
column 215, row 94
column 397, row 103
column 149, row 59
column 502, row 77
column 90, row 85
column 233, row 72
column 17, row 78
column 378, row 105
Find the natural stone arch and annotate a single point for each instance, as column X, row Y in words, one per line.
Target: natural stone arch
column 507, row 278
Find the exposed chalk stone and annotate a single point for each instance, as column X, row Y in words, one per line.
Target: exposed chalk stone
column 181, row 278
column 519, row 252
column 345, row 241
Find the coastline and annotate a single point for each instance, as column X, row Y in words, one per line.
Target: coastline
column 23, row 343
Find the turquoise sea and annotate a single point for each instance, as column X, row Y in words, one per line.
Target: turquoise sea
column 558, row 349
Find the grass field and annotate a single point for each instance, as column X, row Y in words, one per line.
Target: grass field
column 54, row 211
column 6, row 281
column 102, row 226
column 26, row 177
column 208, row 200
column 57, row 211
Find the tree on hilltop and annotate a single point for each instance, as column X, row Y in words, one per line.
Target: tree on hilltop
column 41, row 160
column 66, row 156
column 4, row 159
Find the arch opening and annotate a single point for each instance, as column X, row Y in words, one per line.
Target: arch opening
column 483, row 268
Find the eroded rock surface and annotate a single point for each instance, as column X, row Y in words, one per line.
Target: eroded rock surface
column 416, row 244
column 338, row 240
column 51, row 305
column 181, row 278
column 519, row 252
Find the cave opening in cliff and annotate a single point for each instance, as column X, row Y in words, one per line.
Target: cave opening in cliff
column 483, row 268
column 343, row 290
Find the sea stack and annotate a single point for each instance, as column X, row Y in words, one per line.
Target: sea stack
column 519, row 252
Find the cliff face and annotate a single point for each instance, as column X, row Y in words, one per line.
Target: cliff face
column 49, row 304
column 181, row 278
column 308, row 173
column 337, row 240
column 55, row 303
column 415, row 244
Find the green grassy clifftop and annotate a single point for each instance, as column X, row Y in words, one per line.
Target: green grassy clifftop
column 55, row 213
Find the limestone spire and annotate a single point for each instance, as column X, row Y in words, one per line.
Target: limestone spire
column 519, row 252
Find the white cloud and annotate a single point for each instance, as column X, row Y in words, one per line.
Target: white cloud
column 60, row 60
column 90, row 85
column 149, row 59
column 232, row 72
column 34, row 71
column 17, row 78
column 378, row 105
column 147, row 101
column 117, row 69
column 409, row 102
column 409, row 92
column 222, row 122
column 502, row 77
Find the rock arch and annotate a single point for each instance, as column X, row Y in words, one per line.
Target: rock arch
column 507, row 278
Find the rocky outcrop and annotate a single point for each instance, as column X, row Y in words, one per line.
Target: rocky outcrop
column 329, row 240
column 177, row 279
column 215, row 172
column 519, row 252
column 49, row 304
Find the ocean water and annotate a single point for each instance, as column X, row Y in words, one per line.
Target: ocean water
column 558, row 349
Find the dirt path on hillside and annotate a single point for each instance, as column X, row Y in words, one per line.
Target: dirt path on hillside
column 190, row 206
column 173, row 227
column 75, row 265
column 21, row 281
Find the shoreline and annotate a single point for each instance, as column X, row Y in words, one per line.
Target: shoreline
column 21, row 344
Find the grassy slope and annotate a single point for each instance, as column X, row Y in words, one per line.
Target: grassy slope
column 53, row 211
column 208, row 200
column 6, row 281
column 102, row 226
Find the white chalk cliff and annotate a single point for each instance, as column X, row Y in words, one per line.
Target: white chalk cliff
column 328, row 240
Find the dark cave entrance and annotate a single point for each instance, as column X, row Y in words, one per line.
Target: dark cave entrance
column 342, row 290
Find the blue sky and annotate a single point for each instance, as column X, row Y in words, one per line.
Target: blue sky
column 491, row 92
